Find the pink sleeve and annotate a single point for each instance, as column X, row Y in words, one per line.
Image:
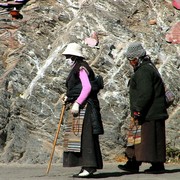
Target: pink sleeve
column 86, row 86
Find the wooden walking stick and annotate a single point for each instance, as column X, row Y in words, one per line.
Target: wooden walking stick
column 55, row 138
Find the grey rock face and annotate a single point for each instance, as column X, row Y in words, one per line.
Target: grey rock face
column 33, row 72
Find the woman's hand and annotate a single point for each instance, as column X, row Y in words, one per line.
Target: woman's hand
column 75, row 108
column 64, row 98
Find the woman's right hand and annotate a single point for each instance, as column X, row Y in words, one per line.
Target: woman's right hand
column 64, row 98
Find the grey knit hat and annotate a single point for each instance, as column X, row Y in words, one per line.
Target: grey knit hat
column 135, row 50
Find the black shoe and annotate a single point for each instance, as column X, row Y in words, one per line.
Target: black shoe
column 156, row 168
column 130, row 167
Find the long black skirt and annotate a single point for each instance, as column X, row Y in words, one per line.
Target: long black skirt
column 90, row 155
column 152, row 148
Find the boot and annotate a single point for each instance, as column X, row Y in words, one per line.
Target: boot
column 131, row 166
column 156, row 168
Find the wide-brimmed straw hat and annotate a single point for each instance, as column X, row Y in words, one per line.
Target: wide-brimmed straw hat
column 73, row 49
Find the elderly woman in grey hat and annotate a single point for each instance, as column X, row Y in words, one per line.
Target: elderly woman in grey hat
column 84, row 125
column 148, row 112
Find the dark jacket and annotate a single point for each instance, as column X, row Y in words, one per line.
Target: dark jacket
column 147, row 92
column 73, row 79
column 74, row 88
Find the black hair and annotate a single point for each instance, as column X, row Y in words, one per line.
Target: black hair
column 78, row 59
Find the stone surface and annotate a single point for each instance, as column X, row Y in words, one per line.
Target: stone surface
column 33, row 72
column 176, row 4
column 173, row 35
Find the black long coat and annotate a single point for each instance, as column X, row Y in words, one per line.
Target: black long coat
column 74, row 88
column 147, row 95
column 147, row 92
column 90, row 155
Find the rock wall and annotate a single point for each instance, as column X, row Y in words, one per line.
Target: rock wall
column 33, row 71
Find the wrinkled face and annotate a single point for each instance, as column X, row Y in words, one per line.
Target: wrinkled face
column 134, row 62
